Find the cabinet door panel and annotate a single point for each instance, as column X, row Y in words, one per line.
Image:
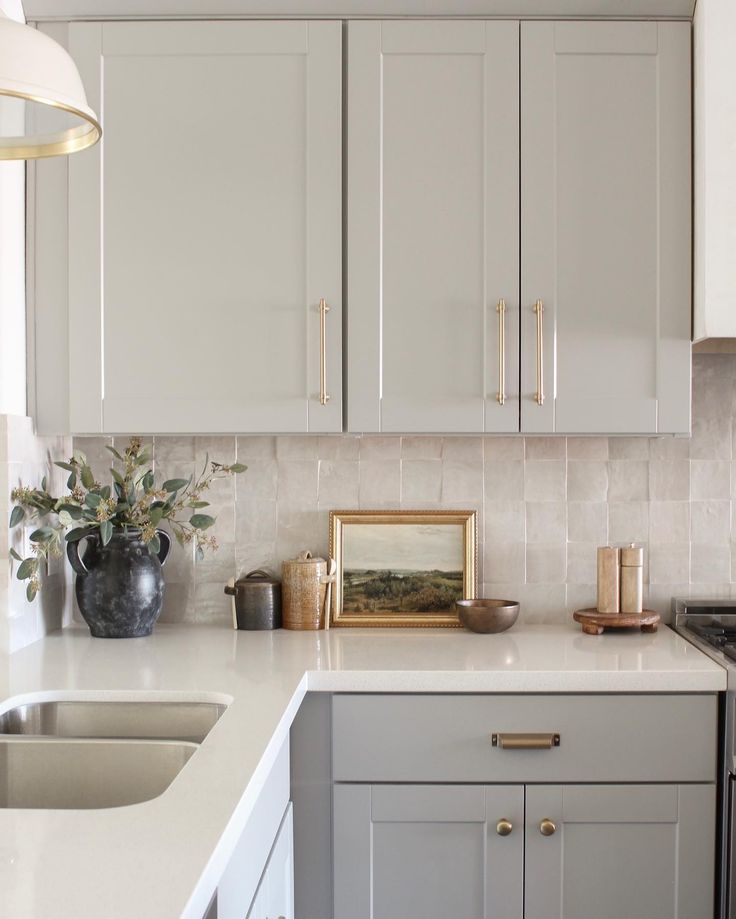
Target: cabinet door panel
column 213, row 208
column 640, row 851
column 411, row 851
column 605, row 181
column 432, row 225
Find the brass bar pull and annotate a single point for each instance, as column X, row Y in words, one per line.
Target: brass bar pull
column 323, row 311
column 525, row 741
column 501, row 310
column 539, row 310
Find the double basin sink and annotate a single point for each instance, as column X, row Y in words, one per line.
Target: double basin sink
column 97, row 754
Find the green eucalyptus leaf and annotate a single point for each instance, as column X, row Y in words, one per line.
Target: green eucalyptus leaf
column 179, row 536
column 42, row 534
column 92, row 499
column 201, row 521
column 43, row 484
column 119, row 480
column 105, row 492
column 31, row 592
column 88, row 479
column 68, row 466
column 155, row 515
column 154, row 545
column 71, row 482
column 199, row 554
column 199, row 504
column 14, row 554
column 65, row 518
column 172, row 485
column 78, row 533
column 238, row 467
column 27, row 568
column 18, row 513
column 105, row 532
column 74, row 511
column 114, row 452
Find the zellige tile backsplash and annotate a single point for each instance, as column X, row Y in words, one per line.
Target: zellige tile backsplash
column 544, row 503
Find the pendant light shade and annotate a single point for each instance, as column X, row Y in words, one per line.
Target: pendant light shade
column 43, row 106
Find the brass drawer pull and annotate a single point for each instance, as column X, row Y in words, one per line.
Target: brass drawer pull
column 547, row 827
column 525, row 741
column 504, row 827
column 539, row 310
column 501, row 310
column 323, row 311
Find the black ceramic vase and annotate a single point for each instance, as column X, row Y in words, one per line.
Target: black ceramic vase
column 119, row 587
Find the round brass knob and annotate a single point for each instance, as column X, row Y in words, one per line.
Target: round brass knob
column 547, row 827
column 504, row 827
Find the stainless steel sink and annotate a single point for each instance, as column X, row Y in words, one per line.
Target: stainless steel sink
column 184, row 721
column 82, row 774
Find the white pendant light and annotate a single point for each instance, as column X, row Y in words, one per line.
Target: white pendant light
column 43, row 107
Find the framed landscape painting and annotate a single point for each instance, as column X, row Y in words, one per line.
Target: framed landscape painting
column 402, row 568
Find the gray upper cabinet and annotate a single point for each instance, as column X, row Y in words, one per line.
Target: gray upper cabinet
column 206, row 228
column 605, row 227
column 434, row 192
column 432, row 226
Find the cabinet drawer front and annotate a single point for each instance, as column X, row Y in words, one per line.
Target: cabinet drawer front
column 443, row 738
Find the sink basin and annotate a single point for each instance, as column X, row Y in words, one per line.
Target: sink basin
column 184, row 721
column 81, row 774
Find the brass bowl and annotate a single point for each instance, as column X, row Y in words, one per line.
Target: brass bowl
column 487, row 615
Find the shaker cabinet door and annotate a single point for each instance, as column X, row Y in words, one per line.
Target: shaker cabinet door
column 605, row 227
column 432, row 226
column 206, row 227
column 640, row 851
column 428, row 851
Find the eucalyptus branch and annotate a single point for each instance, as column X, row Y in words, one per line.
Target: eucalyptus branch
column 134, row 501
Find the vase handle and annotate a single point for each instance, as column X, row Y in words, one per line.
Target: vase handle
column 165, row 540
column 75, row 559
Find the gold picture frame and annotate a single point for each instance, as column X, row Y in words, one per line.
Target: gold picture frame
column 409, row 564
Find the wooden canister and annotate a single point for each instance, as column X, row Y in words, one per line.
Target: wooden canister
column 303, row 592
column 609, row 562
column 632, row 579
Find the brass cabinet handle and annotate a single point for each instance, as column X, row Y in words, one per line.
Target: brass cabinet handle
column 501, row 310
column 539, row 310
column 547, row 827
column 323, row 311
column 525, row 741
column 504, row 827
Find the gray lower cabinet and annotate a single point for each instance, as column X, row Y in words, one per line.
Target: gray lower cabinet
column 428, row 851
column 513, row 851
column 528, row 806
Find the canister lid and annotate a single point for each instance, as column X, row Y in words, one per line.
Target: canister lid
column 305, row 558
column 632, row 556
column 257, row 578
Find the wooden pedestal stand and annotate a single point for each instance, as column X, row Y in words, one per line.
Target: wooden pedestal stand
column 594, row 623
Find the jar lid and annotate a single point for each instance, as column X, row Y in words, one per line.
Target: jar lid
column 257, row 578
column 305, row 558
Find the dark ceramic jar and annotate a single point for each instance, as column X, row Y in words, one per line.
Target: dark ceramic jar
column 120, row 586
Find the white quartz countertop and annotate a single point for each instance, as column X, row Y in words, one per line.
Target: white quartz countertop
column 163, row 858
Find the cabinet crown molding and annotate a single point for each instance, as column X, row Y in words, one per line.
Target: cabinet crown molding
column 50, row 10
